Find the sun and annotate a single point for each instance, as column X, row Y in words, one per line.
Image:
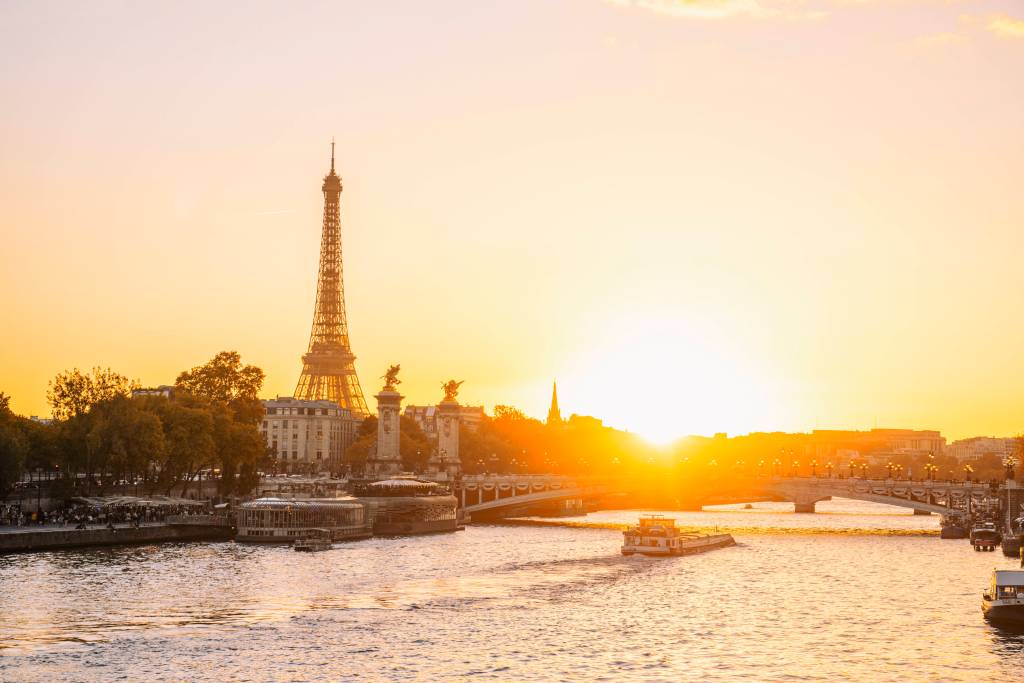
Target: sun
column 665, row 379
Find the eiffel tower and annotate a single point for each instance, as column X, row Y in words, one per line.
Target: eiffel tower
column 328, row 367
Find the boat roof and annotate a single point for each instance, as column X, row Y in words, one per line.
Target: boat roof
column 303, row 504
column 1009, row 577
column 414, row 484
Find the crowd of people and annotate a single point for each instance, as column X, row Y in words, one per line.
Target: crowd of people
column 81, row 515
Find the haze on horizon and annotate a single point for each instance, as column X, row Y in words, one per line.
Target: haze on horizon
column 699, row 216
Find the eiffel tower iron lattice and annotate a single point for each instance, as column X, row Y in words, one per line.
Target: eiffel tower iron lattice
column 328, row 367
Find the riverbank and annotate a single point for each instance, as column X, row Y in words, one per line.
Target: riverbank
column 36, row 539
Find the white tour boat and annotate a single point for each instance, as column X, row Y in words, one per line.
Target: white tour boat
column 658, row 535
column 314, row 540
column 1003, row 602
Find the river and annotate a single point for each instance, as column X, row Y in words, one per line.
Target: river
column 858, row 592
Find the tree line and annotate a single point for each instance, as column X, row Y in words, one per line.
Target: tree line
column 102, row 437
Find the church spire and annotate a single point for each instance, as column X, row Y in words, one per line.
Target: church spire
column 554, row 414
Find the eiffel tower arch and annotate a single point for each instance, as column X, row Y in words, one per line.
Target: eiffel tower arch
column 328, row 366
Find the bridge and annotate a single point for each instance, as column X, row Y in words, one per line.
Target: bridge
column 496, row 494
column 940, row 497
column 504, row 493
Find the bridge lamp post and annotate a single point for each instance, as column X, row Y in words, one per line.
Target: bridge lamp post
column 795, row 465
column 968, row 471
column 777, row 467
column 814, row 468
column 930, row 468
column 889, row 467
column 760, row 468
column 828, row 468
column 1010, row 463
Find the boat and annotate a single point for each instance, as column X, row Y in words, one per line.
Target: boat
column 275, row 520
column 954, row 525
column 658, row 535
column 404, row 505
column 985, row 536
column 314, row 541
column 1003, row 602
column 1012, row 538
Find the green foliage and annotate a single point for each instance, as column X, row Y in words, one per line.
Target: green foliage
column 414, row 446
column 73, row 393
column 104, row 436
column 13, row 446
column 223, row 379
column 189, row 446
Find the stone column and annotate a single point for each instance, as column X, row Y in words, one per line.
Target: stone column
column 448, row 415
column 387, row 460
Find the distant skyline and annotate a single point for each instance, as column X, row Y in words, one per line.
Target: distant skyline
column 698, row 216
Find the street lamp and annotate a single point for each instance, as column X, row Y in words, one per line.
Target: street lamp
column 1010, row 463
column 863, row 470
column 760, row 468
column 828, row 468
column 777, row 467
column 814, row 468
column 795, row 465
column 889, row 467
column 968, row 471
column 931, row 468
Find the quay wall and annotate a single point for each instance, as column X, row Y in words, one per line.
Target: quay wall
column 33, row 541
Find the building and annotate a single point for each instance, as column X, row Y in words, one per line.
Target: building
column 307, row 436
column 470, row 417
column 554, row 414
column 969, row 450
column 165, row 390
column 874, row 445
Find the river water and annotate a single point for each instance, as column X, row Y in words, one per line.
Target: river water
column 857, row 592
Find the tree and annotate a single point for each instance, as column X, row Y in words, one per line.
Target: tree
column 188, row 444
column 414, row 446
column 359, row 450
column 123, row 439
column 229, row 390
column 13, row 446
column 502, row 412
column 222, row 379
column 73, row 393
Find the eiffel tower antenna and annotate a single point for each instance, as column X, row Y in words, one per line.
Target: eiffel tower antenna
column 328, row 367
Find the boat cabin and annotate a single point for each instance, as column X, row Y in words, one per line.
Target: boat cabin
column 1007, row 584
column 657, row 525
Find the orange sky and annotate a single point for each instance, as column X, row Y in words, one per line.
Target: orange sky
column 700, row 216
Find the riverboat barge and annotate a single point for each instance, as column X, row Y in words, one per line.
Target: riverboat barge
column 404, row 505
column 276, row 520
column 1003, row 602
column 657, row 535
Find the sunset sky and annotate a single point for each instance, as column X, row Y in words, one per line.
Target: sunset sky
column 699, row 216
